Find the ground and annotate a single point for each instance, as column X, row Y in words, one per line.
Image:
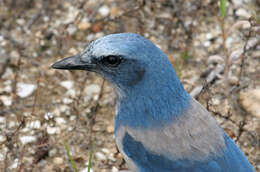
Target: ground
column 53, row 120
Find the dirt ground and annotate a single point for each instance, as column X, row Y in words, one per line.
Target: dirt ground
column 53, row 120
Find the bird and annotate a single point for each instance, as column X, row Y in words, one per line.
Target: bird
column 159, row 127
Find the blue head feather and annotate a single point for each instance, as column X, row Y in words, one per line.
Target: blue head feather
column 145, row 81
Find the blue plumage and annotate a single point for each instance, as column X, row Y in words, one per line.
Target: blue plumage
column 158, row 126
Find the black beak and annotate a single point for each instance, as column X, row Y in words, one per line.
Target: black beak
column 73, row 63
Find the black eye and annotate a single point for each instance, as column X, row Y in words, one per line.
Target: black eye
column 111, row 61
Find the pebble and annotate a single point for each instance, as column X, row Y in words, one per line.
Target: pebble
column 233, row 80
column 64, row 108
column 2, row 138
column 2, row 157
column 8, row 73
column 52, row 152
column 241, row 12
column 236, row 54
column 86, row 170
column 51, row 130
column 34, row 124
column 114, row 169
column 27, row 139
column 71, row 29
column 48, row 115
column 2, row 120
column 11, row 124
column 7, row 100
column 105, row 150
column 229, row 42
column 25, row 90
column 100, row 156
column 104, row 11
column 14, row 164
column 60, row 120
column 20, row 21
column 252, row 42
column 73, row 117
column 110, row 129
column 92, row 89
column 250, row 100
column 58, row 160
column 215, row 59
column 67, row 100
column 84, row 26
column 115, row 11
column 207, row 43
column 67, row 84
column 209, row 36
column 237, row 2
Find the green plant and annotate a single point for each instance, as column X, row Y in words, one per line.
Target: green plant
column 70, row 157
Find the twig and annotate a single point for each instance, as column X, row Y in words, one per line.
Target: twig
column 94, row 112
column 243, row 55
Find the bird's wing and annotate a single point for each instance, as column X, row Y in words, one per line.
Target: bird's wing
column 193, row 142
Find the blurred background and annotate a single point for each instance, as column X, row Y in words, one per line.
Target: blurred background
column 52, row 120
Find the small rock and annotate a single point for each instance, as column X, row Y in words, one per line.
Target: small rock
column 110, row 129
column 115, row 11
column 48, row 115
column 235, row 54
column 27, row 139
column 64, row 108
column 84, row 26
column 73, row 117
column 111, row 157
column 51, row 130
column 2, row 157
column 229, row 42
column 25, row 90
column 34, row 124
column 8, row 73
column 215, row 101
column 7, row 100
column 71, row 29
column 241, row 12
column 215, row 59
column 252, row 42
column 20, row 21
column 86, row 170
column 11, row 124
column 2, row 139
column 237, row 2
column 209, row 36
column 92, row 89
column 207, row 43
column 67, row 100
column 233, row 80
column 52, row 152
column 14, row 164
column 114, row 169
column 67, row 84
column 250, row 100
column 100, row 156
column 2, row 120
column 58, row 160
column 105, row 150
column 60, row 120
column 104, row 11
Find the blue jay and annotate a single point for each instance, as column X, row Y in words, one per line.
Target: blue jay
column 159, row 127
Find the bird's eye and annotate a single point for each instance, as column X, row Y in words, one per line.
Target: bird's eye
column 111, row 61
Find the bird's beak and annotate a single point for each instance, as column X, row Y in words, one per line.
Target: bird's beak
column 73, row 63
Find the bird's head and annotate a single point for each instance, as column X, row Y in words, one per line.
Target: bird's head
column 127, row 60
